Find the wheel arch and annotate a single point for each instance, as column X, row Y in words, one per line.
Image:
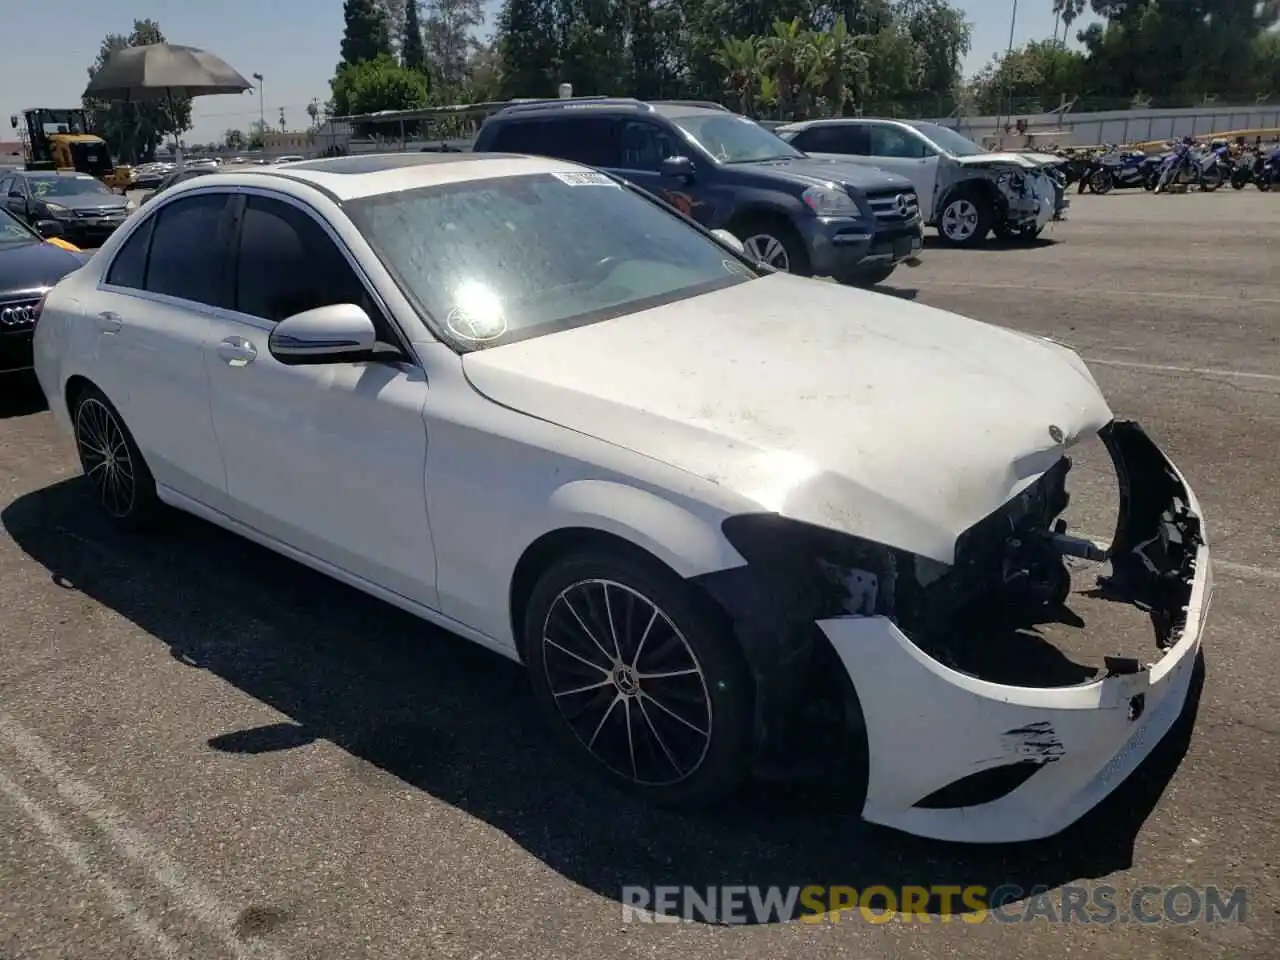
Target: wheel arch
column 75, row 385
column 758, row 210
column 612, row 515
column 979, row 187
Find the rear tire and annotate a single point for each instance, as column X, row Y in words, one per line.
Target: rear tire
column 1102, row 182
column 119, row 477
column 638, row 678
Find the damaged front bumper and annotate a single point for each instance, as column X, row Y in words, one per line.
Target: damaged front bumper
column 1032, row 199
column 955, row 757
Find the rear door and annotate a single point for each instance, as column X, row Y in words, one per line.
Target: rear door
column 148, row 325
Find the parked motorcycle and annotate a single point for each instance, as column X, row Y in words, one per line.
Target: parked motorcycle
column 1187, row 165
column 1215, row 165
column 1247, row 169
column 1117, row 169
column 1267, row 173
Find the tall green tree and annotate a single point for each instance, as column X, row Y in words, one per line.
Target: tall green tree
column 944, row 36
column 449, row 27
column 134, row 130
column 413, row 53
column 528, row 56
column 366, row 35
column 375, row 85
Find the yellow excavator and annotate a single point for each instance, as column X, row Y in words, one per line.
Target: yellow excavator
column 55, row 139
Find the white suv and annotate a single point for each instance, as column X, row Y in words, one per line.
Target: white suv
column 965, row 191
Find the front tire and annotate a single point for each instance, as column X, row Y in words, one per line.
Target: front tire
column 965, row 220
column 638, row 678
column 775, row 243
column 1102, row 182
column 118, row 475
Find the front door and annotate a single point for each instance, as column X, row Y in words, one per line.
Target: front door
column 642, row 148
column 147, row 332
column 328, row 459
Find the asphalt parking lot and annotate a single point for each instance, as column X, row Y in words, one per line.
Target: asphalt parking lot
column 207, row 751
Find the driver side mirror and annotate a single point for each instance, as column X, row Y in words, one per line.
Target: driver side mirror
column 730, row 241
column 49, row 228
column 15, row 194
column 677, row 168
column 339, row 333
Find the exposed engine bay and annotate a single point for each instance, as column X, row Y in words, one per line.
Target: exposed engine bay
column 1013, row 572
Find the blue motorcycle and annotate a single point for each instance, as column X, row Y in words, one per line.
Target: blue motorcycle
column 1115, row 169
column 1178, row 166
column 1267, row 173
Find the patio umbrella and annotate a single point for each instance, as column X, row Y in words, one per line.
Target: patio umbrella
column 164, row 71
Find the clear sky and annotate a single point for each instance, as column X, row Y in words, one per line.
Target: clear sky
column 292, row 43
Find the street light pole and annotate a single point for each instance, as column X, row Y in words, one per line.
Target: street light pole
column 262, row 111
column 1013, row 24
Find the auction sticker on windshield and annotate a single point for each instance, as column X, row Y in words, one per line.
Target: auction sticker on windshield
column 585, row 178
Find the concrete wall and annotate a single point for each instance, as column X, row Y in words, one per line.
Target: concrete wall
column 1131, row 126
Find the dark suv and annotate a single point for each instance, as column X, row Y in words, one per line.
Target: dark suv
column 791, row 211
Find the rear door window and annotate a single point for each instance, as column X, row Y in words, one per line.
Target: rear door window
column 847, row 138
column 582, row 139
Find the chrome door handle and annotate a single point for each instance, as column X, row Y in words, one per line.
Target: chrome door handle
column 237, row 351
column 109, row 321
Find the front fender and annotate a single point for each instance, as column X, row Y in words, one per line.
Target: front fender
column 686, row 542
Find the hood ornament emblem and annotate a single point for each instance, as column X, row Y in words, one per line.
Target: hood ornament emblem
column 1055, row 433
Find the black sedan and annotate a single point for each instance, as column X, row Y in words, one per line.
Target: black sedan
column 29, row 266
column 88, row 211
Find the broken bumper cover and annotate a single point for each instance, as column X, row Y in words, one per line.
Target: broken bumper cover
column 955, row 757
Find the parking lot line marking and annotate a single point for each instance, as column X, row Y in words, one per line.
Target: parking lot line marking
column 128, row 842
column 1248, row 570
column 1100, row 291
column 79, row 859
column 1170, row 368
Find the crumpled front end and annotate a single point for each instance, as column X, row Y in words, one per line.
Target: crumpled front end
column 964, row 740
column 957, row 757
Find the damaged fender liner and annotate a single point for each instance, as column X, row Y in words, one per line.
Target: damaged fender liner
column 787, row 588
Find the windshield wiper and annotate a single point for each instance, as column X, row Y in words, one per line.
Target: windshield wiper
column 764, row 159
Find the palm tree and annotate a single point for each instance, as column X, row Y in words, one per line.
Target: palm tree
column 833, row 60
column 741, row 61
column 785, row 52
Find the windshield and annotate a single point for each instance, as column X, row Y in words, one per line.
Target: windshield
column 733, row 139
column 12, row 231
column 950, row 141
column 504, row 259
column 45, row 188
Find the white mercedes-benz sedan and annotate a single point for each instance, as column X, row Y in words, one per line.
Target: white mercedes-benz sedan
column 726, row 517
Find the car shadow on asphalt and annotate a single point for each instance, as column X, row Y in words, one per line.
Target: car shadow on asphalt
column 20, row 395
column 458, row 723
column 934, row 242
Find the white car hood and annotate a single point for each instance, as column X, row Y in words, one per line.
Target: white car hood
column 1031, row 161
column 853, row 410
